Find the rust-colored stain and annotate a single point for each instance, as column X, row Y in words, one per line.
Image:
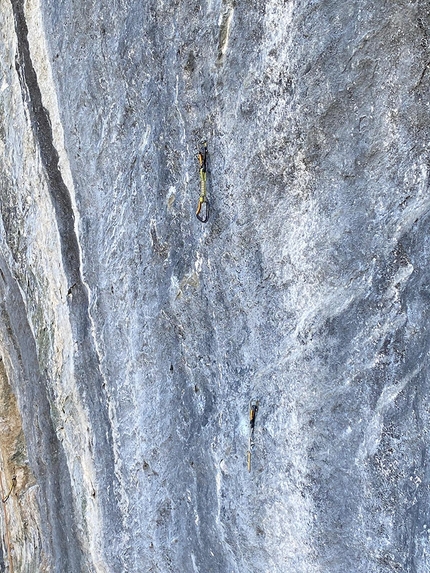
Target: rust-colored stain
column 20, row 514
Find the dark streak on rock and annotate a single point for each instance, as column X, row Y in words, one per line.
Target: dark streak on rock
column 87, row 368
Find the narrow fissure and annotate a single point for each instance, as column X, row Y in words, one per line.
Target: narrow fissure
column 42, row 129
column 87, row 368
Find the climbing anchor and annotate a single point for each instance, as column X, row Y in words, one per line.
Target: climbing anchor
column 202, row 212
column 12, row 487
column 253, row 409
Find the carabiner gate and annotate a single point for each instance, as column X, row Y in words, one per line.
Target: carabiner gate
column 202, row 212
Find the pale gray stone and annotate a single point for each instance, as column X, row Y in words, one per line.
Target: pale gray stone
column 134, row 337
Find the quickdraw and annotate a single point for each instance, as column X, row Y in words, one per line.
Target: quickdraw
column 12, row 487
column 202, row 212
column 253, row 409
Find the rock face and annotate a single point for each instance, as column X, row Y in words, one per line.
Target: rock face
column 133, row 337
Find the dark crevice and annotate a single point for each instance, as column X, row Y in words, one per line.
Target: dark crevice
column 87, row 368
column 42, row 130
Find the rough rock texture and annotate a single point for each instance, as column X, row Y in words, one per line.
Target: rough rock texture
column 133, row 337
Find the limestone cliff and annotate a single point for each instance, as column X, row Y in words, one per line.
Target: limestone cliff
column 133, row 338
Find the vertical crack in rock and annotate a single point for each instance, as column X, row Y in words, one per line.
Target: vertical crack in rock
column 43, row 134
column 87, row 367
column 292, row 294
column 48, row 459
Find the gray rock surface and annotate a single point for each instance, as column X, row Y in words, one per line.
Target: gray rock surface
column 133, row 337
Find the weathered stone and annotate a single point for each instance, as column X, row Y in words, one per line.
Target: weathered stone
column 133, row 337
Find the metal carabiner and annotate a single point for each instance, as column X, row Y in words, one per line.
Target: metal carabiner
column 12, row 487
column 202, row 212
column 202, row 156
column 253, row 408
